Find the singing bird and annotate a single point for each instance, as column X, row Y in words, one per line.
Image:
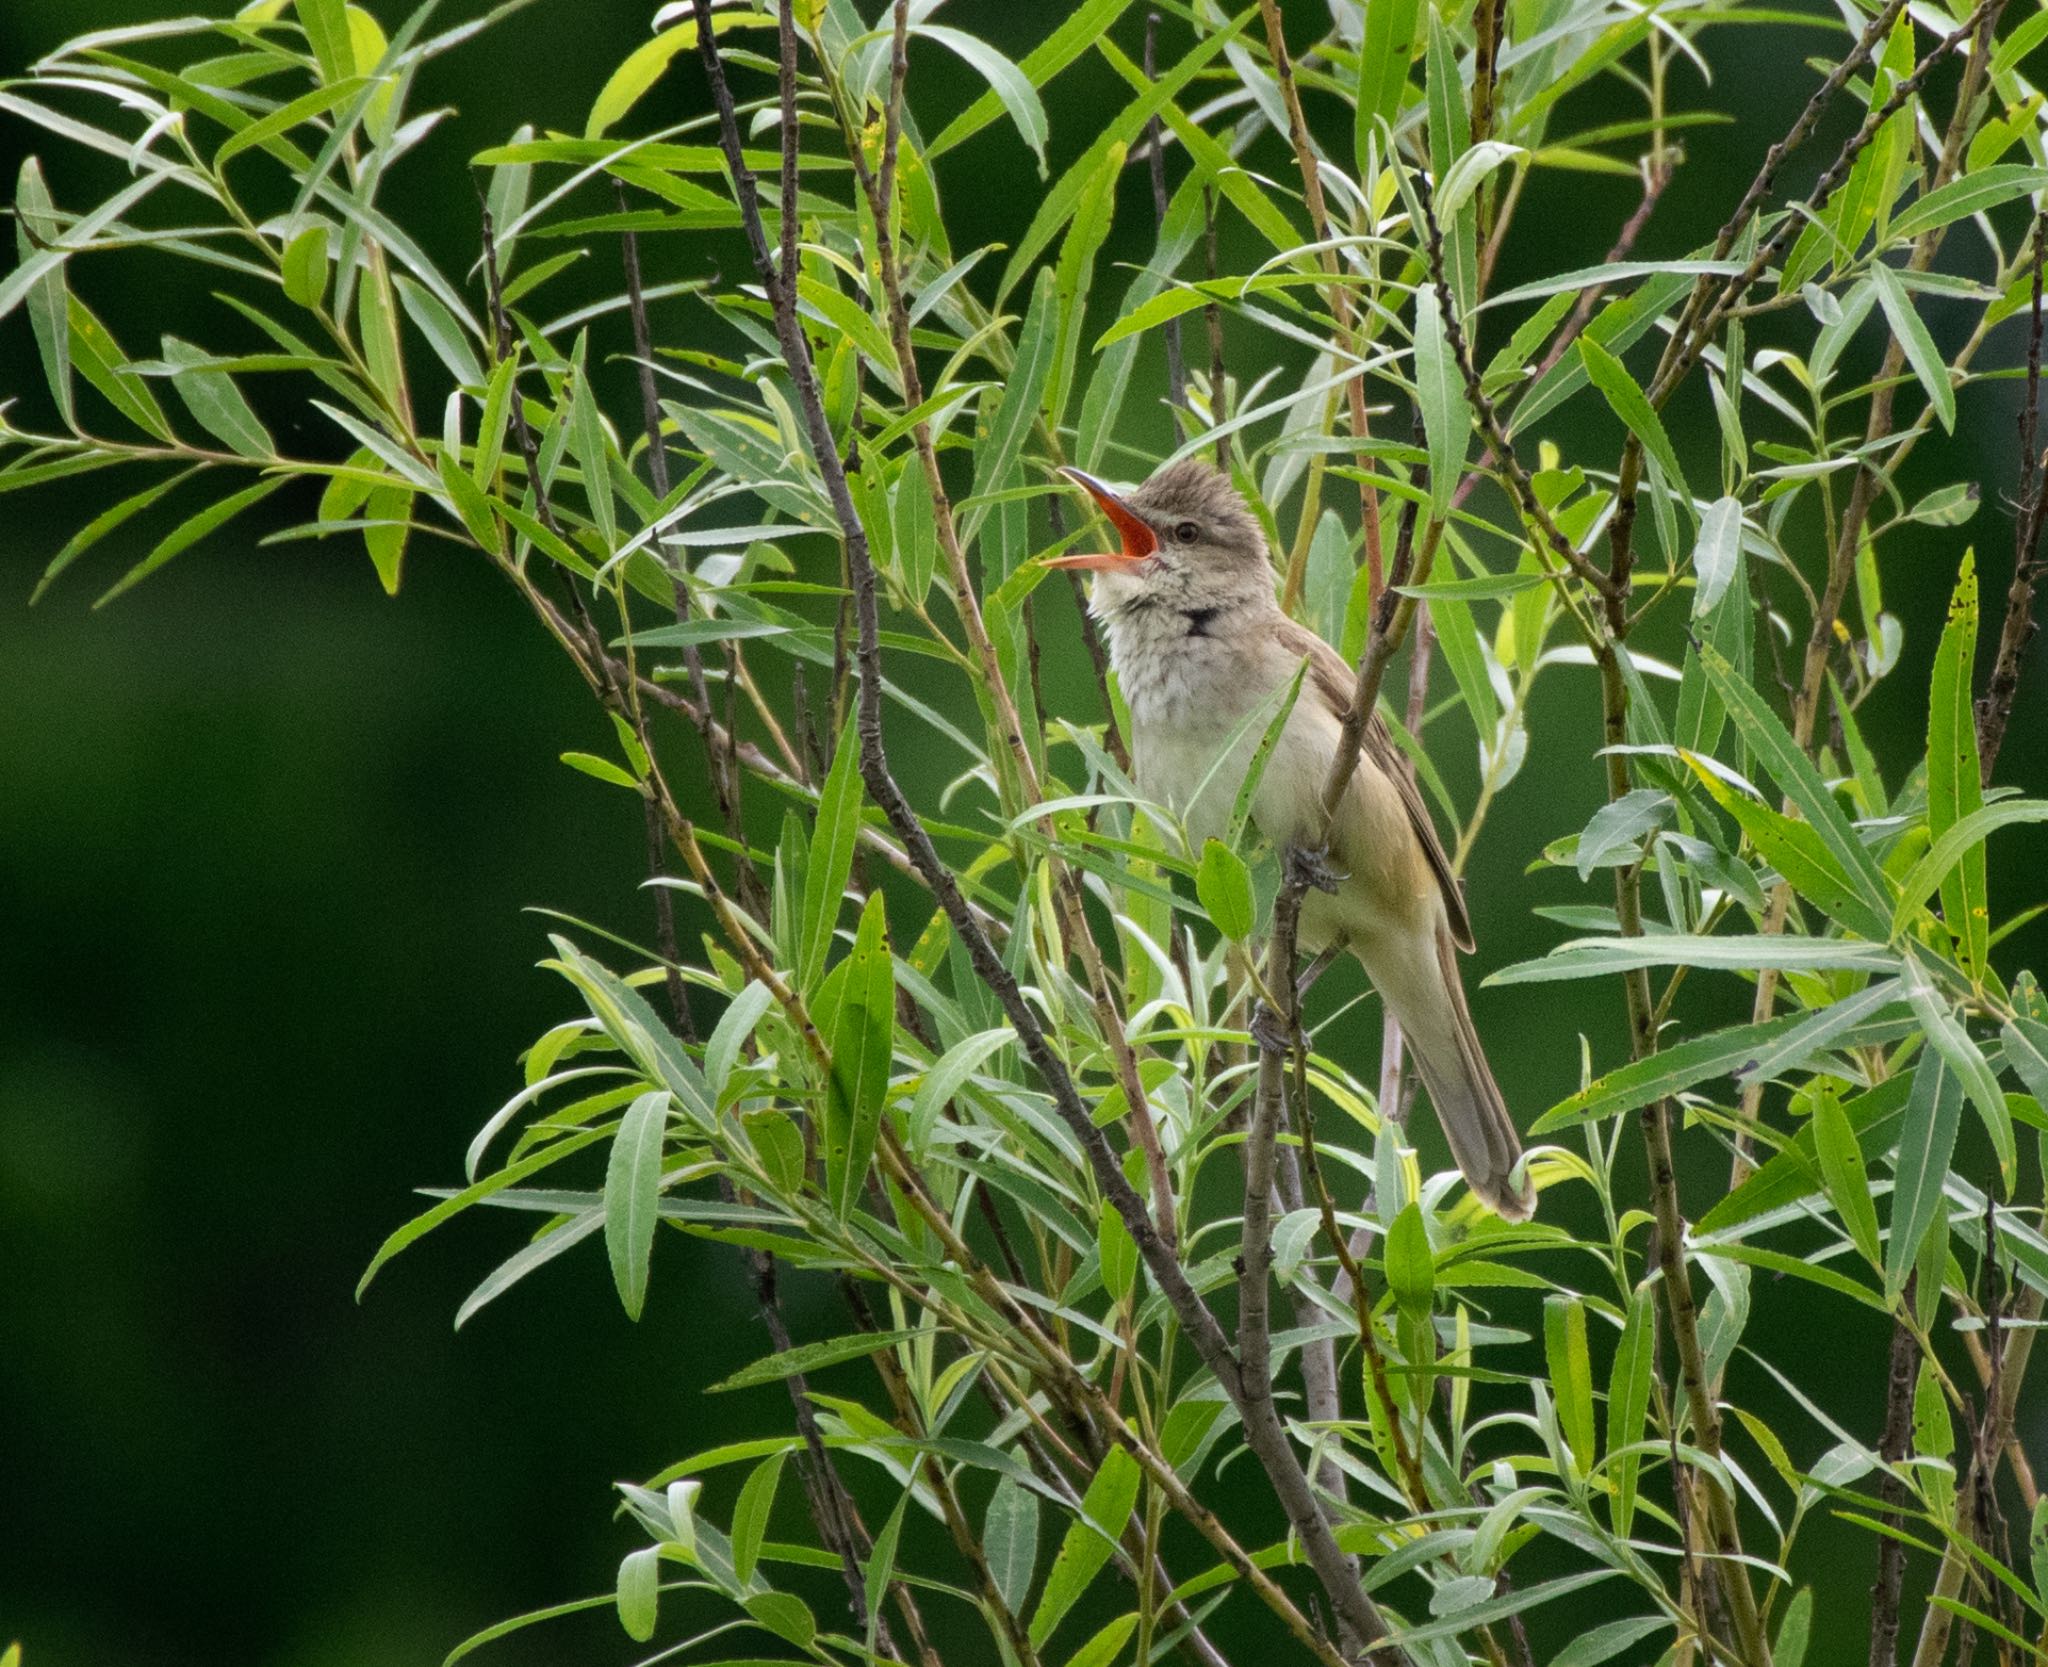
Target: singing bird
column 1198, row 642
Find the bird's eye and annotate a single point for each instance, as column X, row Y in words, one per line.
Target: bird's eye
column 1187, row 532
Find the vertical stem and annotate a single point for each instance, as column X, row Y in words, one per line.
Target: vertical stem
column 1155, row 163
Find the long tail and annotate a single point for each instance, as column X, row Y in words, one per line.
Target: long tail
column 1418, row 980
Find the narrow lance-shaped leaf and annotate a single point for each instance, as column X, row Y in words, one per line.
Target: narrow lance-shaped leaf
column 190, row 532
column 1927, row 1141
column 863, row 1042
column 1633, row 407
column 1440, row 392
column 215, row 402
column 833, row 837
column 1843, row 1172
column 1715, row 556
column 1954, row 785
column 1017, row 404
column 632, row 1196
column 1800, row 854
column 1800, row 781
column 1571, row 1373
column 1009, row 1539
column 1912, row 336
column 49, row 299
column 1949, row 1037
column 1089, row 1541
column 1628, row 1403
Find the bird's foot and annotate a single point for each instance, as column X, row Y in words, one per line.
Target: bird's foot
column 1270, row 1030
column 1307, row 867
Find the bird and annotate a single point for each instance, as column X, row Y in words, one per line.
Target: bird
column 1198, row 640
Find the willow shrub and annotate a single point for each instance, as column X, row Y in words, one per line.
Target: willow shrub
column 980, row 1063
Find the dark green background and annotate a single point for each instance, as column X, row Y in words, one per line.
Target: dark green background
column 265, row 840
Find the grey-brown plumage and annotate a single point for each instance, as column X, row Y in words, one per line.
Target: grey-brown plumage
column 1198, row 641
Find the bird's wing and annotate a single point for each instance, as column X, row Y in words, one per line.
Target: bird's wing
column 1332, row 682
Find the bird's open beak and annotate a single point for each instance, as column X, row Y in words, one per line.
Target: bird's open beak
column 1140, row 541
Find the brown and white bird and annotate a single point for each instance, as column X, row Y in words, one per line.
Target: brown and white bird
column 1198, row 641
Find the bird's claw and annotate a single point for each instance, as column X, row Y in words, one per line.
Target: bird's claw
column 1270, row 1030
column 1307, row 867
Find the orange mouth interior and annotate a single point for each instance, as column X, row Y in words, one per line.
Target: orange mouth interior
column 1140, row 541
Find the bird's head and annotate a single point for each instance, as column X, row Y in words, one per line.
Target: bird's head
column 1187, row 535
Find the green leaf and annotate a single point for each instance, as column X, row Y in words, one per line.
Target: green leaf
column 1118, row 1253
column 1800, row 853
column 1594, row 957
column 812, row 1357
column 1089, row 1541
column 326, row 26
column 1440, row 393
column 833, row 838
column 1056, row 206
column 1224, row 884
column 881, row 1566
column 1384, row 57
column 1465, row 175
column 1619, row 825
column 784, row 1614
column 49, row 298
column 997, row 450
column 304, row 267
column 639, row 1592
column 1009, row 1540
column 648, row 62
column 1629, row 403
column 1628, row 1403
column 1927, row 1142
column 1981, row 189
column 281, row 121
column 587, row 441
column 632, row 1196
column 557, row 1239
column 1608, row 1640
column 863, row 1044
column 99, row 359
column 1570, row 1364
column 444, row 333
column 1794, row 1630
column 1954, row 785
column 1847, row 1182
column 1078, row 31
column 190, row 532
column 102, row 524
column 1411, row 1265
column 601, row 769
column 1715, row 555
column 1075, row 276
column 1948, row 506
column 1946, row 1032
column 1957, row 840
column 1911, row 335
column 1800, row 782
column 1010, row 85
column 1262, row 754
column 2026, row 1051
column 1695, row 1060
column 216, row 403
column 750, row 1515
